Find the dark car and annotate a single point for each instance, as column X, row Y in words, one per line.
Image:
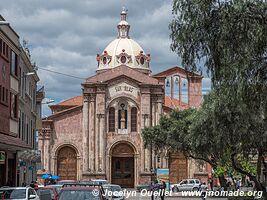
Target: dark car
column 52, row 191
column 66, row 182
column 81, row 192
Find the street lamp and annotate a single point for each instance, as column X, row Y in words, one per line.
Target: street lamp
column 48, row 101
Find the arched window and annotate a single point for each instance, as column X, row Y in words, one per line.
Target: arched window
column 133, row 119
column 111, row 120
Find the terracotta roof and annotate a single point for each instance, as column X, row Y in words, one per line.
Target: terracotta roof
column 123, row 71
column 74, row 101
column 174, row 69
column 174, row 103
column 63, row 112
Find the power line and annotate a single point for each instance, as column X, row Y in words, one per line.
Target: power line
column 60, row 73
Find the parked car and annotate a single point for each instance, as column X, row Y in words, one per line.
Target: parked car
column 44, row 194
column 21, row 193
column 86, row 182
column 113, row 191
column 66, row 182
column 145, row 186
column 99, row 181
column 188, row 185
column 57, row 187
column 79, row 191
column 52, row 191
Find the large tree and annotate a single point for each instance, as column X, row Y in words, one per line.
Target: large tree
column 228, row 37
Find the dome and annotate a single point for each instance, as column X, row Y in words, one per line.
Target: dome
column 123, row 50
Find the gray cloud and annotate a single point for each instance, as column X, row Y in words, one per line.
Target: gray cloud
column 66, row 35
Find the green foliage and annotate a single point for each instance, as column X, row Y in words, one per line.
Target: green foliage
column 229, row 37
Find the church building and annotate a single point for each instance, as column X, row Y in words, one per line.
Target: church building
column 98, row 134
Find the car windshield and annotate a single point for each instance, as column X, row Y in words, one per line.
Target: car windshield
column 14, row 193
column 115, row 189
column 79, row 195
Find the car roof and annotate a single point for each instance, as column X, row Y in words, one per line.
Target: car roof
column 13, row 188
column 110, row 185
column 74, row 188
column 66, row 181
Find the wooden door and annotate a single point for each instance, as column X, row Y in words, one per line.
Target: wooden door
column 178, row 165
column 67, row 164
column 123, row 171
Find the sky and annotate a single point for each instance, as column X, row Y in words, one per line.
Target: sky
column 65, row 36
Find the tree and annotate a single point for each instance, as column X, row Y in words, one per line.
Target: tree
column 229, row 38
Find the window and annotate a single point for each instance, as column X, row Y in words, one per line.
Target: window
column 134, row 119
column 3, row 94
column 6, row 96
column 23, row 126
column 1, row 46
column 176, row 87
column 111, row 122
column 168, row 86
column 13, row 64
column 4, row 48
column 191, row 182
column 19, row 124
column 184, row 90
column 13, row 100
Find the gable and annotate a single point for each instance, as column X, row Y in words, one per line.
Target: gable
column 122, row 71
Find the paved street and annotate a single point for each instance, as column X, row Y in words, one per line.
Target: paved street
column 137, row 195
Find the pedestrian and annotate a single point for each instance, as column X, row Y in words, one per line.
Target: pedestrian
column 151, row 189
column 154, row 187
column 24, row 184
column 238, row 184
column 162, row 190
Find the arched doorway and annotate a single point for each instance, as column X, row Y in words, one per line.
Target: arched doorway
column 67, row 163
column 122, row 165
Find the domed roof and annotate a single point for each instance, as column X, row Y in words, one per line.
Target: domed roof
column 123, row 50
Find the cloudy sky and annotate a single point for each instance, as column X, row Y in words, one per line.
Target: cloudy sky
column 65, row 36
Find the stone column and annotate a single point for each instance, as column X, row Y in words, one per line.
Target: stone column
column 101, row 141
column 86, row 143
column 91, row 137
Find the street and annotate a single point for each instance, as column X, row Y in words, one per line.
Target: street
column 132, row 194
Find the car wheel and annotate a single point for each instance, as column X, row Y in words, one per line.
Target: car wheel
column 195, row 189
column 175, row 189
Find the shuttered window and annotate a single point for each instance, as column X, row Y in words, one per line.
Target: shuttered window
column 111, row 119
column 134, row 119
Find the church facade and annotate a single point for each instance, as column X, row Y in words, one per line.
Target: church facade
column 98, row 134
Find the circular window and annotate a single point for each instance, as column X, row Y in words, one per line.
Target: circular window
column 123, row 59
column 104, row 60
column 142, row 60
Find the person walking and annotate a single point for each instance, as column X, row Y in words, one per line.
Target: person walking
column 162, row 190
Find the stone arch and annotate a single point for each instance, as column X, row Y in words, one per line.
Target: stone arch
column 129, row 104
column 123, row 163
column 67, row 161
column 120, row 141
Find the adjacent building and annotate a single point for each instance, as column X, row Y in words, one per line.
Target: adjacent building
column 18, row 79
column 98, row 134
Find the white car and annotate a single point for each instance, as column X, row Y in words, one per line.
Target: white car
column 188, row 185
column 18, row 193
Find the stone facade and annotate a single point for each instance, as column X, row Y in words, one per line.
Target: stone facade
column 103, row 126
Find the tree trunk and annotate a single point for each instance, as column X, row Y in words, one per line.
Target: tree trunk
column 223, row 182
column 255, row 179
